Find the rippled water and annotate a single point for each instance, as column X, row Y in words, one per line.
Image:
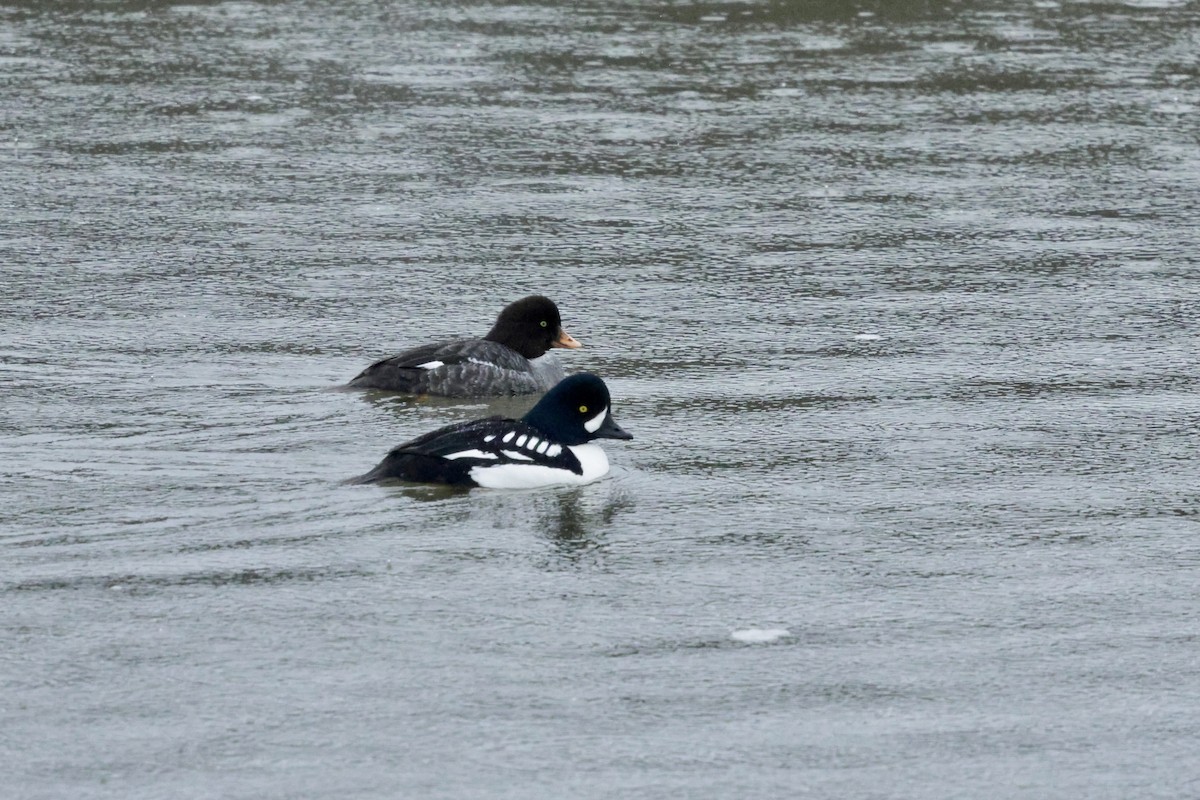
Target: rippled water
column 898, row 300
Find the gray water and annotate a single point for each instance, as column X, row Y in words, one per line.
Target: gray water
column 898, row 300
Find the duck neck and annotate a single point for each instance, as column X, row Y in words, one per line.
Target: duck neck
column 513, row 340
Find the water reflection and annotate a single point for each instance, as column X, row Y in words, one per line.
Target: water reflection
column 408, row 409
column 422, row 492
column 575, row 519
column 898, row 302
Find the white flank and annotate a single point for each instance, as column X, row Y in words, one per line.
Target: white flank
column 593, row 424
column 471, row 454
column 513, row 454
column 431, row 365
column 531, row 476
column 592, row 459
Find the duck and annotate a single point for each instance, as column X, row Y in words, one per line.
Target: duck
column 551, row 445
column 512, row 359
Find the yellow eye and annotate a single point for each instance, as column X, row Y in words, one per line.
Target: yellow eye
column 543, row 323
column 583, row 409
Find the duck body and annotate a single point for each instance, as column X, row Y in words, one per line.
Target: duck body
column 512, row 359
column 463, row 368
column 551, row 445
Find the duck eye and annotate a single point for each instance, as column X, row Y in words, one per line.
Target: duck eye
column 583, row 409
column 543, row 323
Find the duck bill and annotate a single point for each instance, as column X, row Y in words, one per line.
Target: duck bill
column 566, row 340
column 611, row 430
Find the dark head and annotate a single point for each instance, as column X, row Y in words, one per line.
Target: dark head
column 531, row 326
column 576, row 411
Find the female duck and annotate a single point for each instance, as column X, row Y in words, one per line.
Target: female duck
column 550, row 445
column 511, row 359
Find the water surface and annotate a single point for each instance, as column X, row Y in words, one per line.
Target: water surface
column 899, row 302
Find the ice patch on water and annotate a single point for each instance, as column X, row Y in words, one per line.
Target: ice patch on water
column 759, row 635
column 867, row 337
column 952, row 47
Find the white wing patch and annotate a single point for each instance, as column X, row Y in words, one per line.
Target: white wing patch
column 431, row 365
column 508, row 437
column 541, row 448
column 521, row 440
column 489, row 437
column 554, row 450
column 470, row 454
column 513, row 454
column 593, row 424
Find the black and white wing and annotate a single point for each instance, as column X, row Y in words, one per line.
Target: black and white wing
column 464, row 368
column 485, row 452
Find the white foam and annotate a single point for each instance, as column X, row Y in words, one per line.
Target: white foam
column 867, row 337
column 1175, row 108
column 759, row 635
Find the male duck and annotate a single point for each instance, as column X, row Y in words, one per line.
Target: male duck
column 510, row 360
column 550, row 445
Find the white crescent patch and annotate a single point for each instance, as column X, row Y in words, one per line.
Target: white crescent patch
column 593, row 424
column 431, row 365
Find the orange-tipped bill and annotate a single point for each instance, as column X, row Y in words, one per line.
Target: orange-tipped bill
column 566, row 340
